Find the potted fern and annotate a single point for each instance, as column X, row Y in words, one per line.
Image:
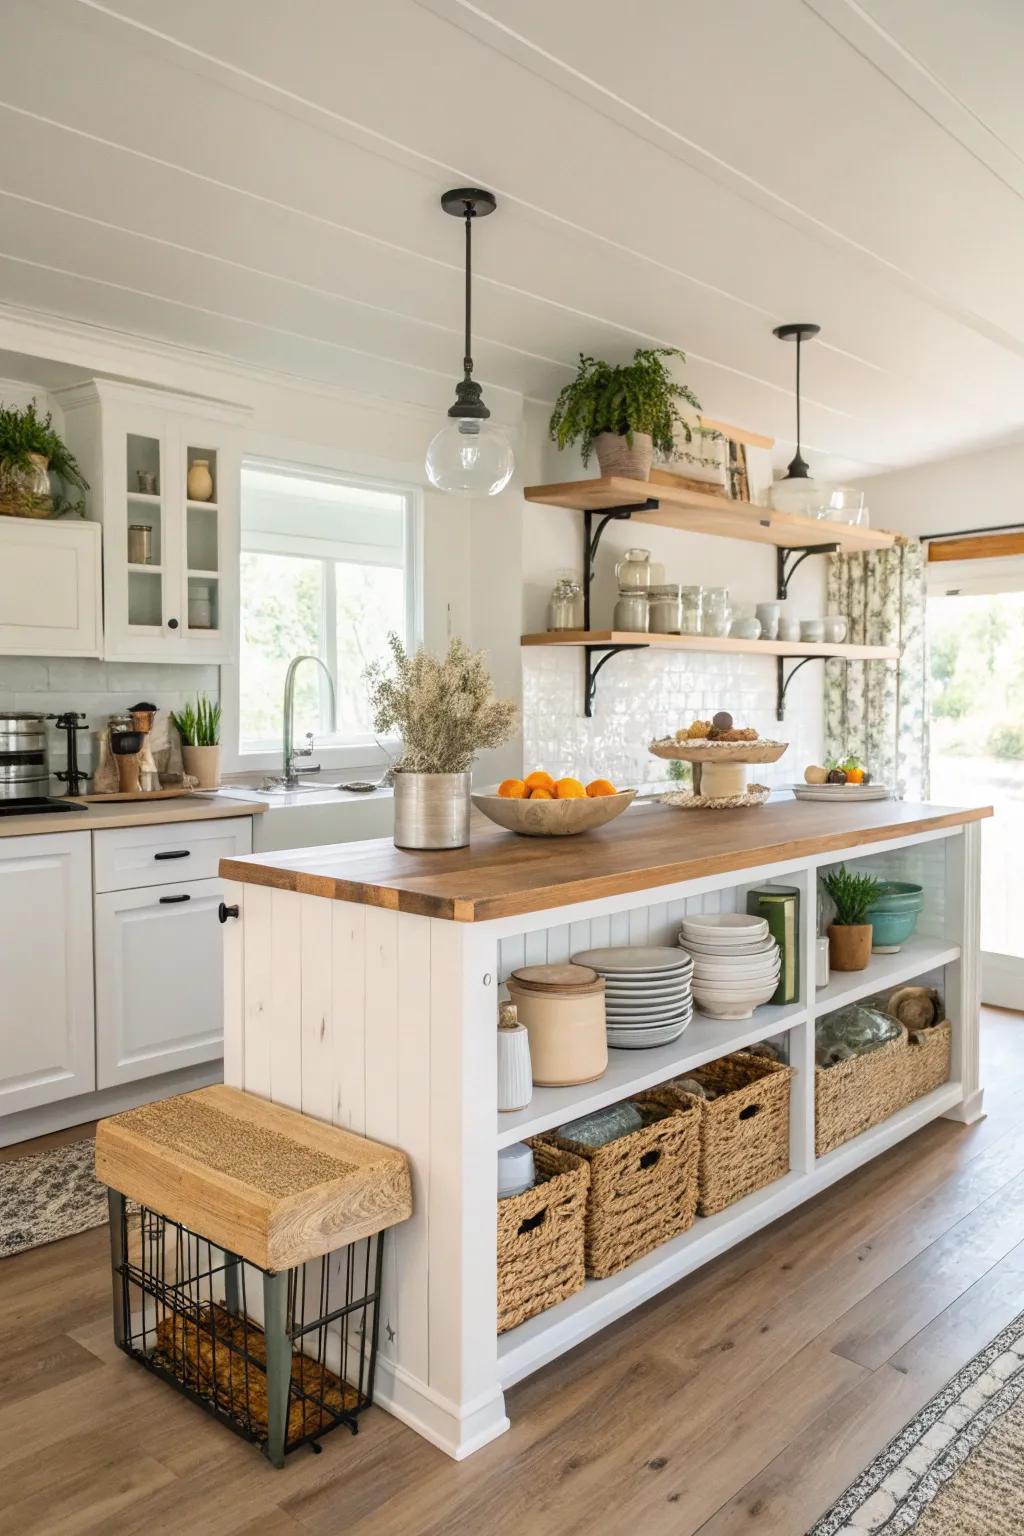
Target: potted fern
column 445, row 712
column 198, row 725
column 626, row 412
column 30, row 452
column 849, row 934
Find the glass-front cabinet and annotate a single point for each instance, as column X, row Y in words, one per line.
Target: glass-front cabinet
column 164, row 477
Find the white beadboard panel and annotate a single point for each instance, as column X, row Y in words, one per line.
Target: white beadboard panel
column 258, row 1001
column 381, row 1074
column 348, row 1072
column 411, row 1265
column 234, row 984
column 316, row 1008
column 286, row 999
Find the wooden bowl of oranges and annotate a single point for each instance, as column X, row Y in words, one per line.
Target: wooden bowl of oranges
column 540, row 806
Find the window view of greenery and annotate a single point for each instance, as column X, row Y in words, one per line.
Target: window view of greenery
column 299, row 598
column 976, row 646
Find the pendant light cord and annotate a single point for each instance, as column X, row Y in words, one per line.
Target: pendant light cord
column 467, row 361
column 798, row 453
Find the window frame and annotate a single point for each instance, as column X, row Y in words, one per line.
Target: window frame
column 331, row 755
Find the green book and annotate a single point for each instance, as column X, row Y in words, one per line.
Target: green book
column 780, row 905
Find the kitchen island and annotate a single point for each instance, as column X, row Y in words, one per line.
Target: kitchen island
column 362, row 986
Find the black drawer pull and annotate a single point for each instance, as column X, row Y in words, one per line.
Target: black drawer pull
column 224, row 912
column 176, row 853
column 166, row 901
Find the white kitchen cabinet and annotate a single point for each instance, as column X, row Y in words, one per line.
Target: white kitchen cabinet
column 170, row 561
column 165, row 854
column 51, row 595
column 159, row 980
column 46, row 992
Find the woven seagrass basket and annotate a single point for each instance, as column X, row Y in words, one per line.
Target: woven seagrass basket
column 540, row 1237
column 643, row 1187
column 744, row 1136
column 854, row 1095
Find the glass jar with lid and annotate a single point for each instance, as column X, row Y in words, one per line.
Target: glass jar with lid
column 665, row 608
column 632, row 611
column 691, row 603
column 717, row 611
column 633, row 571
column 565, row 610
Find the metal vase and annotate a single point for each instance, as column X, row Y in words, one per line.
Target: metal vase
column 432, row 810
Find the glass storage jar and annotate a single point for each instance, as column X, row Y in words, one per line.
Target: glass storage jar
column 634, row 570
column 665, row 609
column 565, row 610
column 632, row 611
column 692, row 604
column 717, row 615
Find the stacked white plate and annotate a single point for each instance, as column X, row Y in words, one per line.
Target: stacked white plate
column 646, row 993
column 736, row 962
column 840, row 792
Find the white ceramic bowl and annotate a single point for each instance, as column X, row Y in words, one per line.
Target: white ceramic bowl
column 717, row 926
column 737, row 974
column 554, row 818
column 741, row 951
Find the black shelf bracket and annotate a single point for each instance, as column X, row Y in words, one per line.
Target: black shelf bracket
column 784, row 572
column 592, row 668
column 782, row 681
column 592, row 538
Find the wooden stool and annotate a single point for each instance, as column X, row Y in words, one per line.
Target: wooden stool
column 221, row 1171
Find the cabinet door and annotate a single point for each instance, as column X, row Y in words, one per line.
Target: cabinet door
column 159, row 980
column 143, row 492
column 50, row 588
column 46, row 1005
column 209, row 462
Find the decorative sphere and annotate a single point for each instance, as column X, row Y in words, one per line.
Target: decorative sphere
column 469, row 458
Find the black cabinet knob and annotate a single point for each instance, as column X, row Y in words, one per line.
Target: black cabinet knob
column 224, row 912
column 172, row 623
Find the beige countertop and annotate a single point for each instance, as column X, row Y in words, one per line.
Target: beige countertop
column 130, row 813
column 500, row 874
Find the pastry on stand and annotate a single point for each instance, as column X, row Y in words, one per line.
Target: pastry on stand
column 721, row 754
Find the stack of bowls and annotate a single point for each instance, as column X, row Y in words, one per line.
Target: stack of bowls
column 736, row 962
column 893, row 915
column 647, row 993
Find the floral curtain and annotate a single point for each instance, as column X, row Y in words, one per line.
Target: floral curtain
column 879, row 709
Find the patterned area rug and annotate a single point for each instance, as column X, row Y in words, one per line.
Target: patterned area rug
column 957, row 1469
column 49, row 1195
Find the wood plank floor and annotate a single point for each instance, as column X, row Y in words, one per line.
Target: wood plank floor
column 746, row 1398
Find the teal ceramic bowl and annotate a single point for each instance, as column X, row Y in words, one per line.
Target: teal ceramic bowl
column 898, row 896
column 891, row 930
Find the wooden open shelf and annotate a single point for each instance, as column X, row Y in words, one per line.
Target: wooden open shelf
column 726, row 645
column 696, row 512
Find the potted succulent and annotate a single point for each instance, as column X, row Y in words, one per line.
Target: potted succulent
column 625, row 412
column 850, row 935
column 445, row 712
column 30, row 452
column 198, row 725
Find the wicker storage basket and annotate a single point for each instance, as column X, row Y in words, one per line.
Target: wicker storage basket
column 744, row 1134
column 854, row 1095
column 540, row 1237
column 643, row 1187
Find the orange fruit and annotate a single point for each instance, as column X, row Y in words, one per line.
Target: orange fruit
column 540, row 780
column 512, row 789
column 540, row 793
column 855, row 775
column 601, row 787
column 569, row 789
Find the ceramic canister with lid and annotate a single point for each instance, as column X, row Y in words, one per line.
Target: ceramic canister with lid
column 562, row 1007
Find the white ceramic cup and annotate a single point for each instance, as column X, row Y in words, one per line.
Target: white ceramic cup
column 812, row 630
column 789, row 628
column 769, row 614
column 835, row 626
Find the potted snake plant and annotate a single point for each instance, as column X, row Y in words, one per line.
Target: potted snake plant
column 626, row 412
column 198, row 725
column 850, row 934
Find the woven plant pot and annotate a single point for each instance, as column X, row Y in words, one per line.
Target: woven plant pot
column 854, row 1095
column 849, row 946
column 540, row 1237
column 616, row 457
column 744, row 1137
column 25, row 490
column 643, row 1187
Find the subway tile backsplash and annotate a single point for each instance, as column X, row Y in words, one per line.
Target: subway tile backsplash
column 645, row 694
column 97, row 689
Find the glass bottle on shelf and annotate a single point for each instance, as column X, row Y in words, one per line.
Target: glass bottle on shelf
column 565, row 610
column 692, row 610
column 632, row 611
column 717, row 614
column 665, row 609
column 633, row 571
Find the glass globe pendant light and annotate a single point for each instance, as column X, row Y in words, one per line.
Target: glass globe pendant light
column 469, row 456
column 797, row 491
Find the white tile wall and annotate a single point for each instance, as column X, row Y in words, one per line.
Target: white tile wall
column 97, row 689
column 645, row 694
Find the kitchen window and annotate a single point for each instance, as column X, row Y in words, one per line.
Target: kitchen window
column 328, row 568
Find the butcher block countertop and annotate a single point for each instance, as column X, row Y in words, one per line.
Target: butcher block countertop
column 501, row 874
column 100, row 815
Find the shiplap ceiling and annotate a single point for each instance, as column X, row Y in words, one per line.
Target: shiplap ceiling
column 260, row 181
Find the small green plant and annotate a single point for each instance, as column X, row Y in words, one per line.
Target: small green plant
column 25, row 432
column 198, row 725
column 851, row 895
column 680, row 772
column 641, row 396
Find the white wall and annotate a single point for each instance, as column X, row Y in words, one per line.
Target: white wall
column 975, row 490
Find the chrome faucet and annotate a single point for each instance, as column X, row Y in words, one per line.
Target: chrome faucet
column 291, row 752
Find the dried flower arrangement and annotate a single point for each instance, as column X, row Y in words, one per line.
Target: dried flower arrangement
column 443, row 709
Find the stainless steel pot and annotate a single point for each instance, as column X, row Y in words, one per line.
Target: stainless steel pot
column 432, row 810
column 24, row 757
